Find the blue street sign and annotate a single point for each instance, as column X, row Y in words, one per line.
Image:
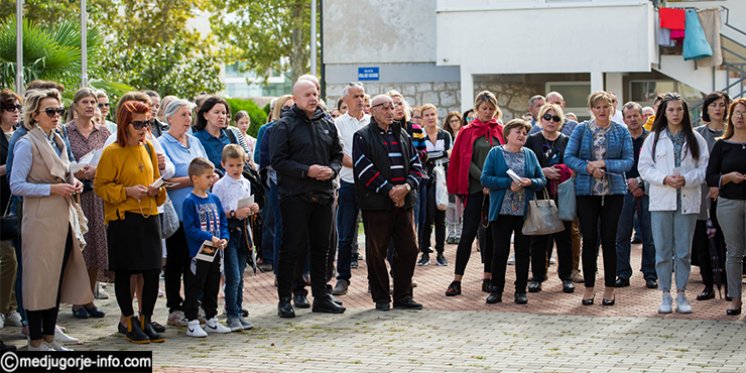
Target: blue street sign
column 368, row 73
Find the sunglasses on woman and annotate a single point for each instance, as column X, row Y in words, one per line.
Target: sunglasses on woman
column 140, row 124
column 51, row 111
column 12, row 107
column 551, row 117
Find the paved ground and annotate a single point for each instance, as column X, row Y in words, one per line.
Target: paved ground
column 553, row 333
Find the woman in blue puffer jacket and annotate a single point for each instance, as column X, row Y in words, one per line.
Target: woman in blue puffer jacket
column 600, row 152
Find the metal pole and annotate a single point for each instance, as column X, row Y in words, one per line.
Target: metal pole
column 83, row 45
column 19, row 47
column 313, row 37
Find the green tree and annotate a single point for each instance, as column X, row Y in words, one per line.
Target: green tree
column 265, row 35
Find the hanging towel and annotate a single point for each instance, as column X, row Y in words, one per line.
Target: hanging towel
column 710, row 19
column 677, row 34
column 664, row 38
column 695, row 42
column 672, row 18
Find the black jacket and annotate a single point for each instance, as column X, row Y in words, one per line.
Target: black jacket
column 535, row 142
column 298, row 142
column 375, row 151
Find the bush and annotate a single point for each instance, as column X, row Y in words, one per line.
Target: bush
column 256, row 113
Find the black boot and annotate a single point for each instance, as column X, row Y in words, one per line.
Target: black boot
column 284, row 308
column 147, row 328
column 134, row 333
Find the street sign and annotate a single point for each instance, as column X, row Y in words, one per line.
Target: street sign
column 368, row 73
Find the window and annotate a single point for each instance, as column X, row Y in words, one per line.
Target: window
column 644, row 91
column 576, row 96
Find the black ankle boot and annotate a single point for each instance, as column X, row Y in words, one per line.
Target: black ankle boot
column 147, row 327
column 134, row 332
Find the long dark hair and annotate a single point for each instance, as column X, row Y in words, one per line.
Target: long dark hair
column 661, row 123
column 206, row 106
column 709, row 99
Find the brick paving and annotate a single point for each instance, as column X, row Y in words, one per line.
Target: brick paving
column 552, row 333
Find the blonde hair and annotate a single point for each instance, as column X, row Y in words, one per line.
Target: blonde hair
column 557, row 111
column 277, row 111
column 489, row 98
column 32, row 103
column 598, row 96
column 233, row 151
column 426, row 107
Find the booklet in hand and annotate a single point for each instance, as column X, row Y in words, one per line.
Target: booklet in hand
column 207, row 252
column 160, row 182
column 514, row 176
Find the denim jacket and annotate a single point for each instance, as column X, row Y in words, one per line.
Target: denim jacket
column 619, row 158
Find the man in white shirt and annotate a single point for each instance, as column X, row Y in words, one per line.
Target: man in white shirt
column 347, row 210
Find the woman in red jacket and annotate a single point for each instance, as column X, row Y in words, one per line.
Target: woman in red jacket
column 464, row 171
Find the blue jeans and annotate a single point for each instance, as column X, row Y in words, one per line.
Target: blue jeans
column 672, row 234
column 347, row 212
column 635, row 207
column 235, row 257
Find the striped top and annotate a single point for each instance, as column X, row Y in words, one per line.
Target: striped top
column 372, row 178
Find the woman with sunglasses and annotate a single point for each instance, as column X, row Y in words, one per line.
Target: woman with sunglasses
column 455, row 211
column 549, row 146
column 126, row 172
column 673, row 160
column 86, row 137
column 464, row 172
column 10, row 114
column 599, row 152
column 54, row 269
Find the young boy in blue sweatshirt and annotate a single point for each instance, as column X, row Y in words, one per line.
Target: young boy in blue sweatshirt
column 230, row 190
column 203, row 221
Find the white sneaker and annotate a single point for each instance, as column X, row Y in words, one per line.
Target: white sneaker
column 194, row 330
column 57, row 346
column 100, row 292
column 13, row 318
column 2, row 321
column 177, row 318
column 511, row 260
column 43, row 346
column 682, row 305
column 234, row 324
column 246, row 323
column 666, row 303
column 213, row 326
column 63, row 338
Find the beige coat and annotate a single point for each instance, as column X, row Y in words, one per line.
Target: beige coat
column 44, row 229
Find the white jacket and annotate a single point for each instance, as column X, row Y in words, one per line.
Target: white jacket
column 663, row 197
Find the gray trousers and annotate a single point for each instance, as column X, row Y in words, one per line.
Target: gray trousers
column 732, row 217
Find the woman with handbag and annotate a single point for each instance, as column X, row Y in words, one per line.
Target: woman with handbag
column 124, row 179
column 599, row 152
column 180, row 147
column 512, row 174
column 438, row 143
column 549, row 147
column 54, row 269
column 464, row 171
column 673, row 161
column 87, row 137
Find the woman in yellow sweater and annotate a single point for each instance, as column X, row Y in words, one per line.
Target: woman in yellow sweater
column 124, row 179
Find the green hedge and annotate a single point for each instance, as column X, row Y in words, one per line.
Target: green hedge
column 257, row 114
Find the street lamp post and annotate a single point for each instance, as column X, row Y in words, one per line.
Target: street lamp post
column 313, row 37
column 83, row 45
column 19, row 46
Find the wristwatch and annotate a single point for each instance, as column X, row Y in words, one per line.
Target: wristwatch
column 232, row 214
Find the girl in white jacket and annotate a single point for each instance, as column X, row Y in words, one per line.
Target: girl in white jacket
column 673, row 160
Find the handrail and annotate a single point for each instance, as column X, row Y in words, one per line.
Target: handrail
column 727, row 22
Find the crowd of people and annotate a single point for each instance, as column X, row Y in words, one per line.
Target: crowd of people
column 169, row 186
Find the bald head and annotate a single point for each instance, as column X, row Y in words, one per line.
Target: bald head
column 382, row 110
column 306, row 96
column 556, row 98
column 311, row 78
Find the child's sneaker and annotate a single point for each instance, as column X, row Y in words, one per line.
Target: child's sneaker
column 234, row 324
column 246, row 323
column 194, row 330
column 177, row 318
column 213, row 326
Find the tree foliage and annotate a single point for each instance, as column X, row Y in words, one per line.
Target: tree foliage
column 264, row 35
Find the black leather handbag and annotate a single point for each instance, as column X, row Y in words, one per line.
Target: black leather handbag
column 9, row 227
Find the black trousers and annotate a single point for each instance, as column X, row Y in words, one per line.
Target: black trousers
column 149, row 290
column 42, row 322
column 471, row 221
column 599, row 214
column 541, row 251
column 306, row 225
column 177, row 264
column 432, row 216
column 701, row 249
column 502, row 229
column 381, row 228
column 204, row 285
